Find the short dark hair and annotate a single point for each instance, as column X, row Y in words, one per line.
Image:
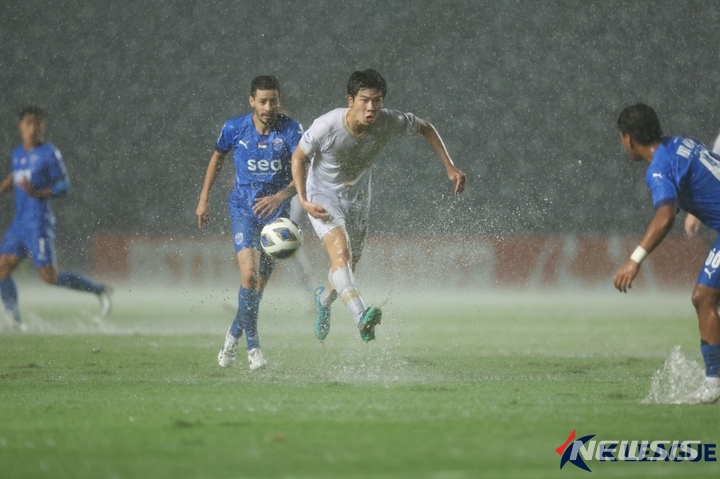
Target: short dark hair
column 264, row 82
column 641, row 123
column 33, row 110
column 366, row 79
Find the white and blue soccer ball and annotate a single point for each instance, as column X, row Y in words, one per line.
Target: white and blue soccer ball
column 281, row 239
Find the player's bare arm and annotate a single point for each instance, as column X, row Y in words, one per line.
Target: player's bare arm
column 6, row 184
column 299, row 173
column 692, row 225
column 213, row 170
column 40, row 194
column 267, row 205
column 659, row 227
column 428, row 131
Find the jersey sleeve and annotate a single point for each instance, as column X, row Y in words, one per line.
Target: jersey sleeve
column 659, row 178
column 58, row 179
column 404, row 123
column 309, row 140
column 226, row 140
column 295, row 135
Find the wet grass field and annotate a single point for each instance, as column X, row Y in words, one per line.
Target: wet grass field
column 455, row 386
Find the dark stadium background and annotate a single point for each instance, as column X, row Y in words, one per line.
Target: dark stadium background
column 525, row 95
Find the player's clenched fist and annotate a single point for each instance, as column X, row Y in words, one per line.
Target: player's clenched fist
column 314, row 209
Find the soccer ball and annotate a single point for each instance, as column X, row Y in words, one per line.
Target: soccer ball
column 281, row 239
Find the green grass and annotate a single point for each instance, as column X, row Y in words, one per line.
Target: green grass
column 456, row 386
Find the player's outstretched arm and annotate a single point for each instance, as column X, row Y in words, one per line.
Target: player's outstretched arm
column 299, row 172
column 6, row 184
column 213, row 170
column 659, row 227
column 427, row 130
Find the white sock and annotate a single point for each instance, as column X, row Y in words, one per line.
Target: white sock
column 344, row 283
column 329, row 295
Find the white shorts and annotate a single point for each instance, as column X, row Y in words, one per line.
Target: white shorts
column 353, row 217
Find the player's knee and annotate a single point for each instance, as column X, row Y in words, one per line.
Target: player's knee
column 704, row 298
column 6, row 266
column 49, row 278
column 249, row 279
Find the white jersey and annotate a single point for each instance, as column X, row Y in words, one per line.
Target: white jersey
column 342, row 161
column 716, row 146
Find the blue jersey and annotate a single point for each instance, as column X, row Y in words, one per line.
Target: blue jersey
column 43, row 167
column 684, row 173
column 262, row 162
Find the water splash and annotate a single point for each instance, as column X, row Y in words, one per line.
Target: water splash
column 678, row 377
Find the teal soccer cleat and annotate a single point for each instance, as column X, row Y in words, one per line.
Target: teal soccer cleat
column 370, row 318
column 321, row 326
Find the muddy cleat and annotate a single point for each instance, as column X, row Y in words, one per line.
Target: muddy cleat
column 708, row 393
column 370, row 318
column 105, row 302
column 228, row 353
column 256, row 359
column 321, row 326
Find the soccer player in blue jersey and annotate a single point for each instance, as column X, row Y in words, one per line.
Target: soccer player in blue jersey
column 682, row 174
column 38, row 175
column 263, row 142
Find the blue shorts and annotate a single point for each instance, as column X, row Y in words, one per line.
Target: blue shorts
column 246, row 228
column 710, row 271
column 38, row 241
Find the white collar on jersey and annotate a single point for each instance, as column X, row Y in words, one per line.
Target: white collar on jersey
column 349, row 130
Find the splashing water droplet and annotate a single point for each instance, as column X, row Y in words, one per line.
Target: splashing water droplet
column 678, row 377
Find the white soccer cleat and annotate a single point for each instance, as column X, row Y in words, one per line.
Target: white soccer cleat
column 12, row 319
column 228, row 353
column 105, row 302
column 256, row 359
column 708, row 393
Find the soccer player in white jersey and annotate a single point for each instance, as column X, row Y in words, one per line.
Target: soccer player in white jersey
column 692, row 224
column 335, row 191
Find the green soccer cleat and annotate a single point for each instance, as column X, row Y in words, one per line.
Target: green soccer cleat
column 370, row 318
column 321, row 326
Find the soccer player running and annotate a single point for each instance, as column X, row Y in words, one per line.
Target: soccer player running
column 335, row 192
column 263, row 142
column 38, row 175
column 684, row 174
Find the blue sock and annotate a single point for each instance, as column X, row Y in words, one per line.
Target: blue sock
column 247, row 315
column 236, row 329
column 711, row 355
column 8, row 293
column 79, row 282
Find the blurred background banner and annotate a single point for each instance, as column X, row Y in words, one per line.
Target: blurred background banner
column 414, row 262
column 525, row 94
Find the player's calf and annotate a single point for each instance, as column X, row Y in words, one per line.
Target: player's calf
column 706, row 301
